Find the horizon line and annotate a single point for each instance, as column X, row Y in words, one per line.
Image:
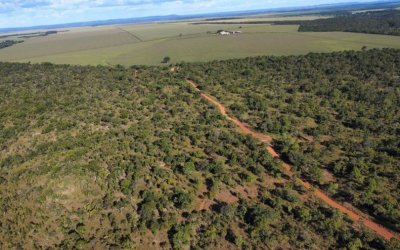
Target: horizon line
column 178, row 17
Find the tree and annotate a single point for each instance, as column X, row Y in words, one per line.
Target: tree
column 166, row 59
column 182, row 199
column 355, row 244
column 180, row 236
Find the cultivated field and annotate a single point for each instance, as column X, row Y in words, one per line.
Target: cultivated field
column 183, row 41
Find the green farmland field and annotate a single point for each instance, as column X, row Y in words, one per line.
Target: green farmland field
column 183, row 41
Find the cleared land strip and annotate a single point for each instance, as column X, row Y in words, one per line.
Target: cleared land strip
column 132, row 34
column 355, row 216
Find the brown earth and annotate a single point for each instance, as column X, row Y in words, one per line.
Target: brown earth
column 227, row 197
column 205, row 204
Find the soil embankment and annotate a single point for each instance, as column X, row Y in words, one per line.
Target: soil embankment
column 355, row 216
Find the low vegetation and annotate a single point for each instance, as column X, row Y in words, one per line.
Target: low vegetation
column 376, row 22
column 39, row 34
column 134, row 158
column 166, row 59
column 8, row 43
column 335, row 117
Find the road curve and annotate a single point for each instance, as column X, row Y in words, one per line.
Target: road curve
column 355, row 216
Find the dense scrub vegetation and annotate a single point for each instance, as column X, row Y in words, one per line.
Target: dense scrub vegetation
column 8, row 43
column 335, row 117
column 101, row 157
column 374, row 22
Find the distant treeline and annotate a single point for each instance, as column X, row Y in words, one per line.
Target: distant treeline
column 8, row 43
column 377, row 22
column 46, row 33
column 221, row 18
column 33, row 34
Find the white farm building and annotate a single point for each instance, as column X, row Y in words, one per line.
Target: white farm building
column 228, row 33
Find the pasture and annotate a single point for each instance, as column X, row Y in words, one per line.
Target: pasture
column 182, row 41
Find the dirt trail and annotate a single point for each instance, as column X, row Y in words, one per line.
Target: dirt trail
column 355, row 216
column 245, row 129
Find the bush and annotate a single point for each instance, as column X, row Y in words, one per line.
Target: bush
column 181, row 199
column 180, row 236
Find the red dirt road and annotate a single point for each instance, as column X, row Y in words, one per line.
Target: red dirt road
column 243, row 127
column 355, row 216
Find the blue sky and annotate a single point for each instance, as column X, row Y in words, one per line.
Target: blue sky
column 22, row 13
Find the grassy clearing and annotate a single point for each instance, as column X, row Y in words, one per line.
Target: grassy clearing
column 81, row 39
column 182, row 41
column 148, row 32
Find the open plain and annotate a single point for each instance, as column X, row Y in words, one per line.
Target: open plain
column 148, row 44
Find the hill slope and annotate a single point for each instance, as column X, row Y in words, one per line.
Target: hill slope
column 101, row 157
